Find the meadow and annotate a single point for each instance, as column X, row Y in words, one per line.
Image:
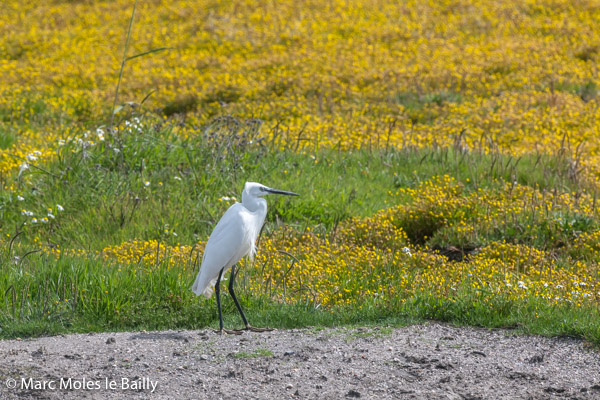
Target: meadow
column 446, row 154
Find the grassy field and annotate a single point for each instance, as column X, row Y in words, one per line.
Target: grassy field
column 446, row 154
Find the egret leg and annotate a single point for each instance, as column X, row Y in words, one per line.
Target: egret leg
column 218, row 293
column 239, row 307
column 233, row 296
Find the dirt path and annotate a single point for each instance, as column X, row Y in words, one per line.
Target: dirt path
column 431, row 361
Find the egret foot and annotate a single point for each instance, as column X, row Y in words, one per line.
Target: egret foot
column 239, row 307
column 229, row 332
column 253, row 329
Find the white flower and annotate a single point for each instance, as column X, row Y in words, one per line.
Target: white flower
column 23, row 167
column 20, row 198
column 177, row 178
column 45, row 220
column 521, row 285
column 61, row 142
column 59, row 207
column 146, row 183
column 50, row 215
column 31, row 157
column 34, row 220
column 100, row 133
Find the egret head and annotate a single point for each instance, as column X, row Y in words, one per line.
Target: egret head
column 253, row 189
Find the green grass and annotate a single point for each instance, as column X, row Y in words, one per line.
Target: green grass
column 139, row 185
column 382, row 332
column 423, row 108
column 45, row 296
column 106, row 200
column 7, row 139
column 259, row 352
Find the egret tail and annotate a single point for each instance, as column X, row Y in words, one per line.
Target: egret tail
column 205, row 289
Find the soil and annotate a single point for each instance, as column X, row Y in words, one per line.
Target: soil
column 432, row 361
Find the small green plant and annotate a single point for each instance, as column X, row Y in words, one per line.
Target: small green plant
column 124, row 60
column 259, row 352
column 374, row 333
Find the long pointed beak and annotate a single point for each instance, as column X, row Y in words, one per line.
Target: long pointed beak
column 277, row 191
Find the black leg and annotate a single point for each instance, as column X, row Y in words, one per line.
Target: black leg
column 218, row 293
column 239, row 307
column 235, row 300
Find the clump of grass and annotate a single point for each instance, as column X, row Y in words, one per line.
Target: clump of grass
column 224, row 95
column 424, row 108
column 587, row 53
column 259, row 352
column 588, row 91
column 181, row 105
column 7, row 139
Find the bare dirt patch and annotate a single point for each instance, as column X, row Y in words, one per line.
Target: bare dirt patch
column 432, row 361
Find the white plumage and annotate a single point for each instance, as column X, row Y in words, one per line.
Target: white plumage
column 233, row 238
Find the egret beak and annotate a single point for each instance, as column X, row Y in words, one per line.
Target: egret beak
column 277, row 191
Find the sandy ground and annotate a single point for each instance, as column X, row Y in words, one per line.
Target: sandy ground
column 432, row 361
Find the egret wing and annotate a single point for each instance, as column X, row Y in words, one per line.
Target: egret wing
column 226, row 245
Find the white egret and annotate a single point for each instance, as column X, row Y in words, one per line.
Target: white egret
column 233, row 238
